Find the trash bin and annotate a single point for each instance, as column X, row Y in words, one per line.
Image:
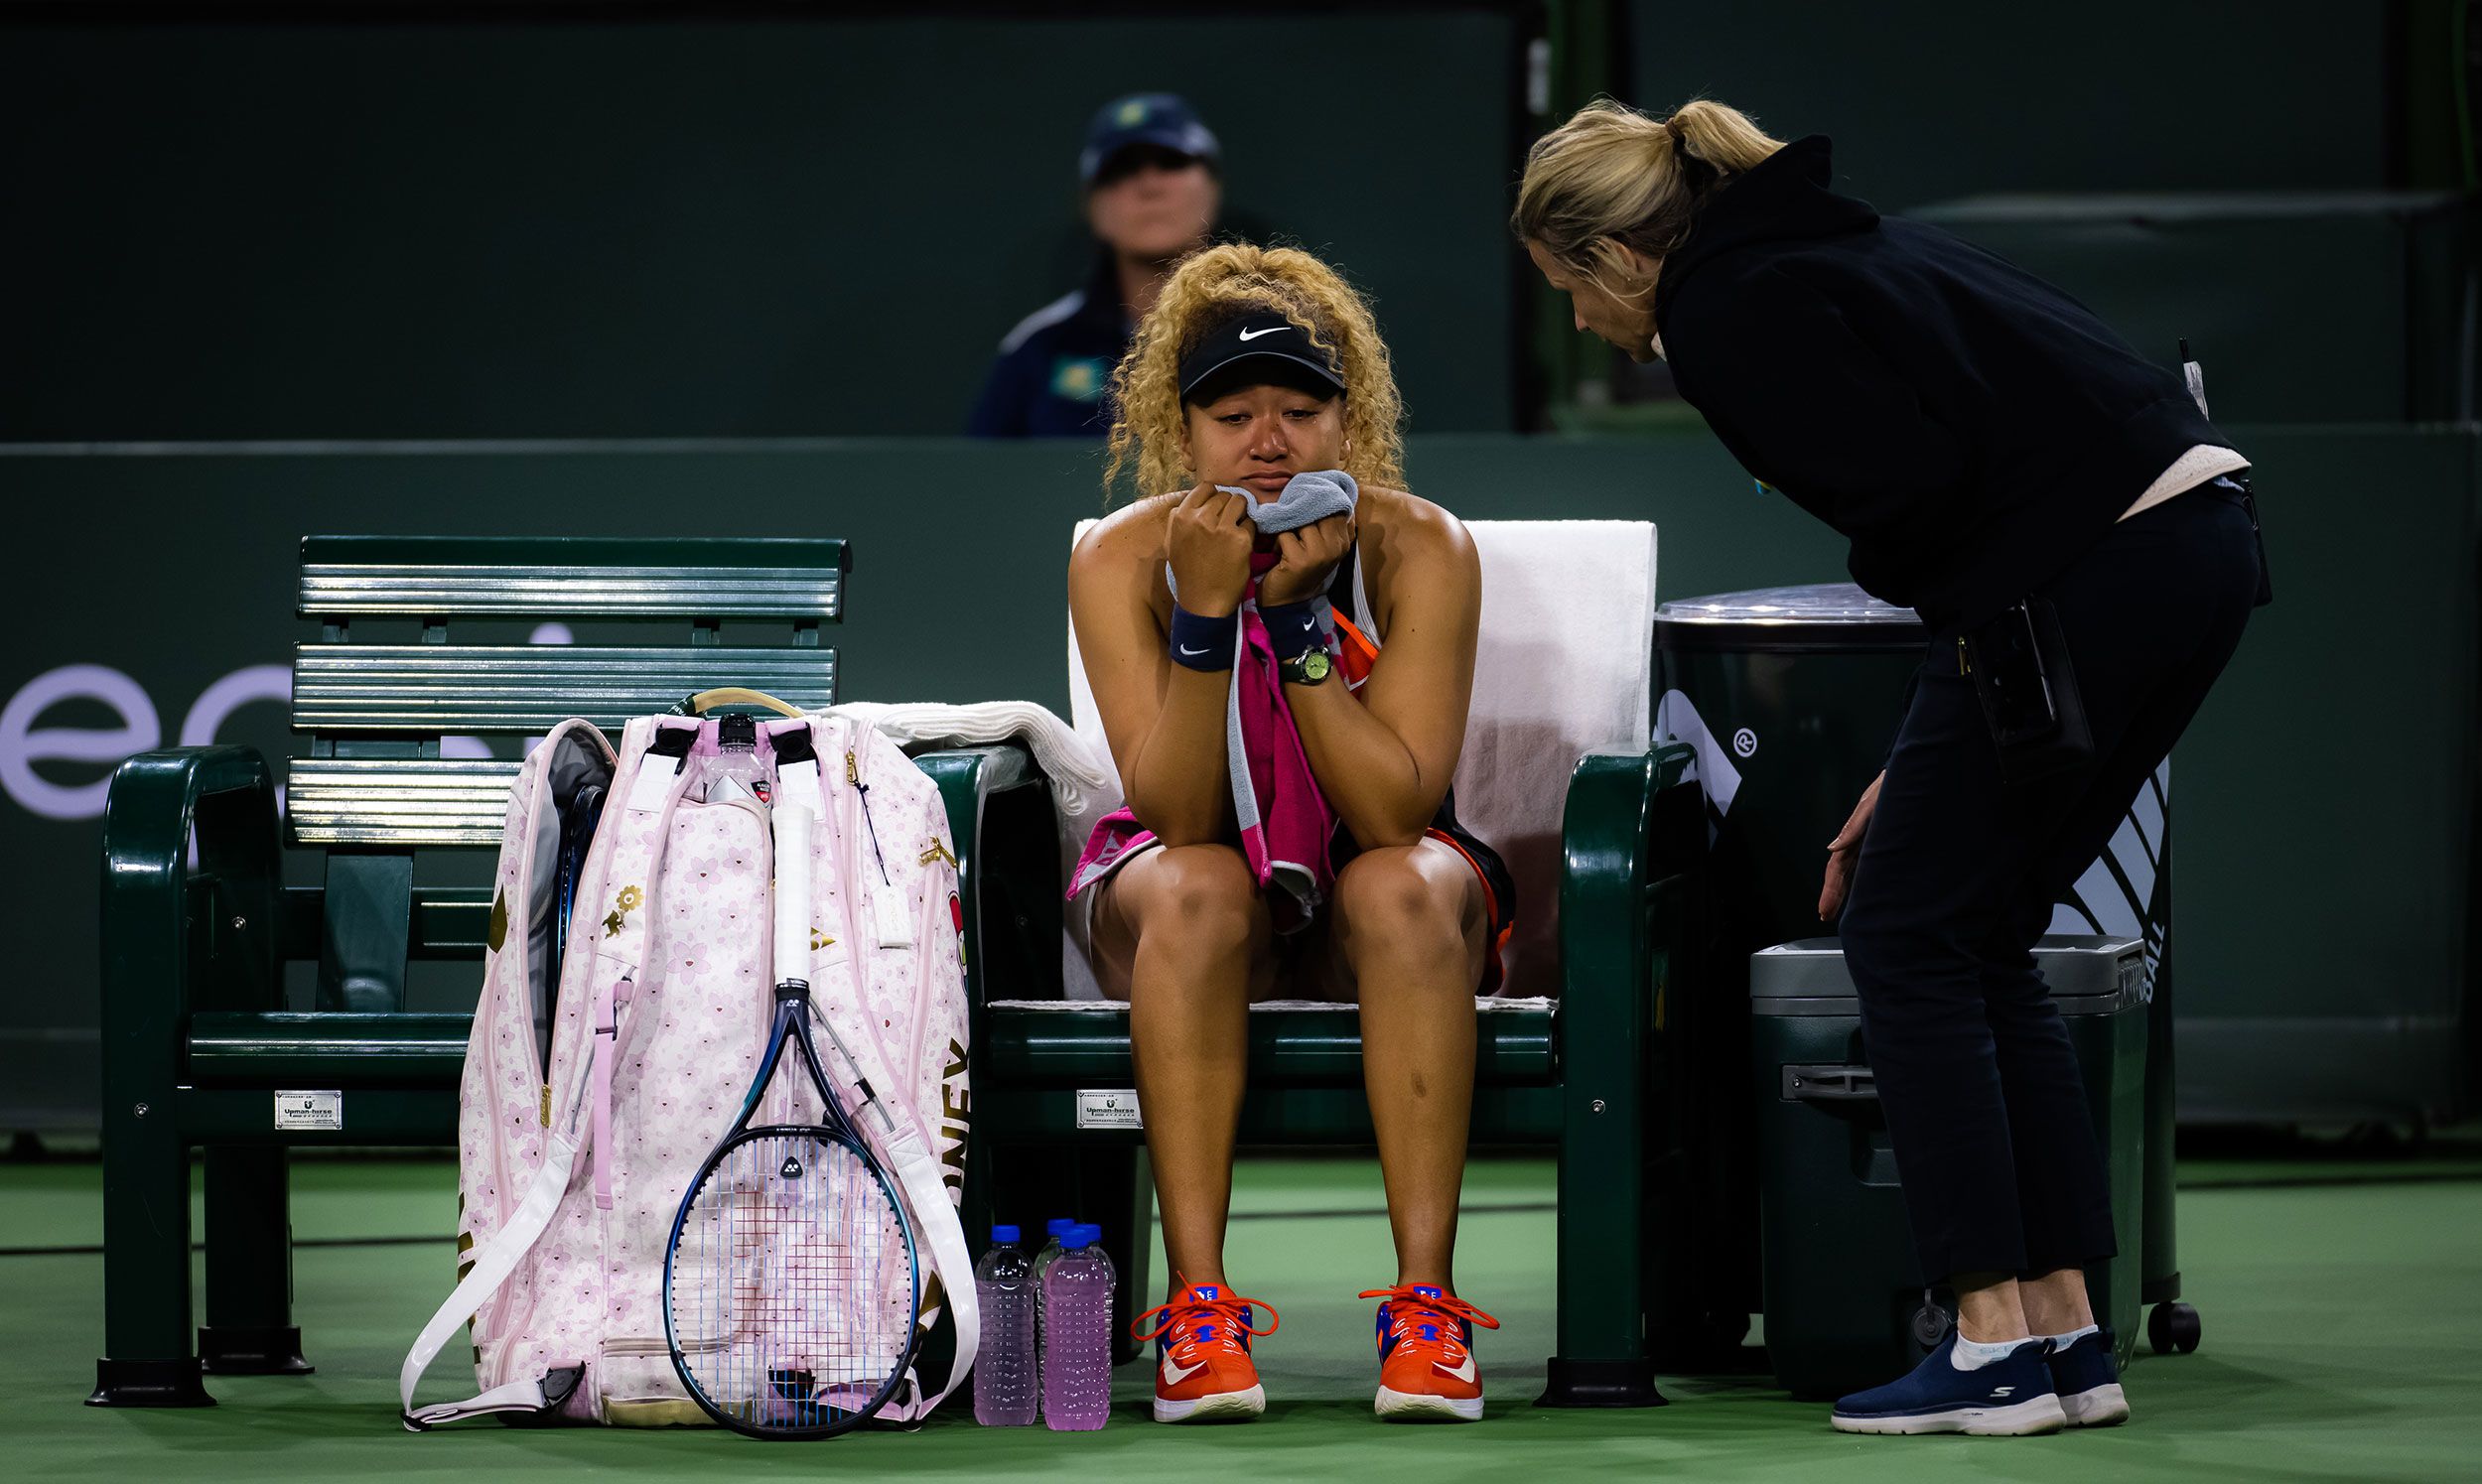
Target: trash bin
column 1790, row 696
column 1846, row 1304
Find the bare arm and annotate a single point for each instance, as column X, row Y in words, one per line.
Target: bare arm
column 1384, row 758
column 1164, row 722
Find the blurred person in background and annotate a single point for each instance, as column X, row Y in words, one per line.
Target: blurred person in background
column 1153, row 178
column 2070, row 527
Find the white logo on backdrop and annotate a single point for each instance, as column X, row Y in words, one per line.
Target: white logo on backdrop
column 138, row 727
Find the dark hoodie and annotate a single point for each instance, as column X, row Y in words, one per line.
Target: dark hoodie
column 1968, row 427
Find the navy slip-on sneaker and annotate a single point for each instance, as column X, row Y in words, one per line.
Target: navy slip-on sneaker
column 2010, row 1398
column 2087, row 1377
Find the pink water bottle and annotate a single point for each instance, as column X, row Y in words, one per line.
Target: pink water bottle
column 1077, row 1334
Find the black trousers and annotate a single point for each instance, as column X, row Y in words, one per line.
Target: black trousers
column 1958, row 874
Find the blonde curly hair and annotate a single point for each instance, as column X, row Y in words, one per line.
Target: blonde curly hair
column 1210, row 287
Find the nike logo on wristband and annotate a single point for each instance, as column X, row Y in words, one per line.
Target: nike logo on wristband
column 1185, row 649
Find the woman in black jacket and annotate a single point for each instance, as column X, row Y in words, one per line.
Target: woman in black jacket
column 2056, row 507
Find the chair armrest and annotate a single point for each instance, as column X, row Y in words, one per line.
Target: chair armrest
column 1006, row 836
column 166, row 919
column 1630, row 843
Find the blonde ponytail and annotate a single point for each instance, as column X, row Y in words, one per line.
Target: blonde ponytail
column 1612, row 178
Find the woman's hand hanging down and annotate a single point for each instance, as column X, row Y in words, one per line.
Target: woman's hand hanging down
column 1845, row 850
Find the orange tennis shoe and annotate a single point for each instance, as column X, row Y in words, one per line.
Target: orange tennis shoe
column 1426, row 1355
column 1203, row 1371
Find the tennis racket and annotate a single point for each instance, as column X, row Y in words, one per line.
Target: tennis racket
column 792, row 1285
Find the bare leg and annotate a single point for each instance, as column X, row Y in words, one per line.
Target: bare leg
column 1989, row 1310
column 1183, row 935
column 1409, row 929
column 2055, row 1301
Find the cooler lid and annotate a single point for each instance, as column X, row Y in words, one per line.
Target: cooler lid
column 2087, row 974
column 1814, row 603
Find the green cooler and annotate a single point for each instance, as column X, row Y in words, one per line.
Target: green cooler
column 1846, row 1304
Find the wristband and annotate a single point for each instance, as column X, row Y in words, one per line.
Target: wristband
column 1293, row 628
column 1200, row 643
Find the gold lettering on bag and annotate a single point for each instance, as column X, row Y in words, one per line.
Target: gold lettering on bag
column 956, row 1105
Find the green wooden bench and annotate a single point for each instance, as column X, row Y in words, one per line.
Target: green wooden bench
column 200, row 1050
column 199, row 1047
column 1579, row 1075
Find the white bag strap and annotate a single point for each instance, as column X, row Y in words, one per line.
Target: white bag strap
column 493, row 1264
column 656, row 789
column 943, row 1233
column 937, row 1227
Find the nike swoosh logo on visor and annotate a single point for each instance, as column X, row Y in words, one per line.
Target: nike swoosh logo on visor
column 1463, row 1373
column 1251, row 335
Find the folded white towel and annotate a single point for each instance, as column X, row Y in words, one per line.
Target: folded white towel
column 1083, row 785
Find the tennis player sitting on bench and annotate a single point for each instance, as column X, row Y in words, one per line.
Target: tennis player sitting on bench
column 1289, row 602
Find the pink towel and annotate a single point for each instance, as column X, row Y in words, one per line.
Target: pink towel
column 1285, row 820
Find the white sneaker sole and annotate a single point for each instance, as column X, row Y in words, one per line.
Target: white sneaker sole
column 2105, row 1406
column 2036, row 1414
column 1420, row 1407
column 1223, row 1406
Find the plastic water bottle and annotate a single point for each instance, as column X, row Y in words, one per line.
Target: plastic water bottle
column 1004, row 1369
column 1060, row 1227
column 1077, row 1347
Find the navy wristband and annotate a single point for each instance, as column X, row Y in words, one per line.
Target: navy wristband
column 1293, row 628
column 1205, row 643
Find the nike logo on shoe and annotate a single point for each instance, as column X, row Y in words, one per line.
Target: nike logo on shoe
column 1463, row 1373
column 1251, row 335
column 1175, row 1375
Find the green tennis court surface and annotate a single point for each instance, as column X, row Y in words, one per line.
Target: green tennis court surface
column 2342, row 1304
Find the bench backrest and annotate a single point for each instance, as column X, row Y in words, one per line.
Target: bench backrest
column 1562, row 667
column 414, row 744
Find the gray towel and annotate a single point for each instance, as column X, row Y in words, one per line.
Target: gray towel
column 1308, row 499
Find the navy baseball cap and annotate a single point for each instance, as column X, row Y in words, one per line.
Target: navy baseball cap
column 1271, row 344
column 1162, row 120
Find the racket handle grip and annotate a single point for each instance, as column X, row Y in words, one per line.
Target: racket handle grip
column 791, row 908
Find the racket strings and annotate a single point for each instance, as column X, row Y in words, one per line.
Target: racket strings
column 793, row 1287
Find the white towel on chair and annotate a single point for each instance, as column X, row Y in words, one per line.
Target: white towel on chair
column 1564, row 668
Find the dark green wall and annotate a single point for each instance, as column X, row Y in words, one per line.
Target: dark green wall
column 1932, row 99
column 569, row 228
column 2325, row 799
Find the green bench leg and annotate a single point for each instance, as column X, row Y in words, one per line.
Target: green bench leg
column 148, row 923
column 249, row 1328
column 1618, row 911
column 145, row 1253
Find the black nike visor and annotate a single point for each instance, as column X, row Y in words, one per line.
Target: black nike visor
column 1258, row 349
